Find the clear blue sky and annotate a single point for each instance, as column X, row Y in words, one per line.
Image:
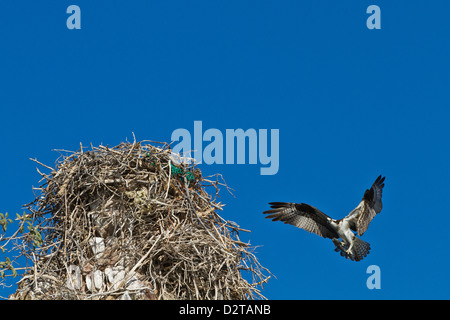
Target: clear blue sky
column 350, row 103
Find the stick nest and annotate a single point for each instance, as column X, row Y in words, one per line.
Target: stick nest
column 129, row 222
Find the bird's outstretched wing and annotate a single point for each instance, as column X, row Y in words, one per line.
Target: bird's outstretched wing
column 368, row 208
column 302, row 216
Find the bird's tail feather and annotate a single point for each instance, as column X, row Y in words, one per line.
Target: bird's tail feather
column 360, row 249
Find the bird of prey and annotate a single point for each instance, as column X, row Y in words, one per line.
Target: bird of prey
column 315, row 221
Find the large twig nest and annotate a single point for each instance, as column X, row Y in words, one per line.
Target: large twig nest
column 130, row 223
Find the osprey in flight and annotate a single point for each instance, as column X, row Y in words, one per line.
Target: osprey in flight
column 313, row 220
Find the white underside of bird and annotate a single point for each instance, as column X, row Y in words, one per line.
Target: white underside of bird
column 349, row 241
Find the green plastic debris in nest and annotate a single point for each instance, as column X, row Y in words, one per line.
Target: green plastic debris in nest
column 176, row 171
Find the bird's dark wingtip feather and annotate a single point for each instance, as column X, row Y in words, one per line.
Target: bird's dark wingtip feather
column 274, row 213
column 278, row 204
column 274, row 216
column 270, row 211
column 379, row 182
